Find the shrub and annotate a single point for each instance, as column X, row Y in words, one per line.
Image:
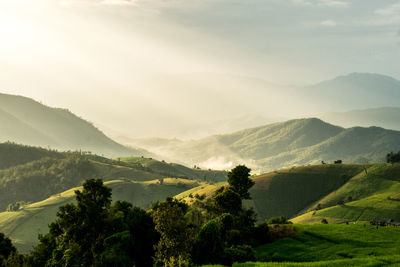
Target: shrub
column 279, row 220
column 241, row 253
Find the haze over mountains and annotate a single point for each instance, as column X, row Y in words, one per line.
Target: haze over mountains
column 279, row 145
column 386, row 117
column 26, row 121
column 264, row 148
column 193, row 106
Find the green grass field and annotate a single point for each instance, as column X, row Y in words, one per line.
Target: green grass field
column 331, row 246
column 321, row 242
column 373, row 192
column 366, row 262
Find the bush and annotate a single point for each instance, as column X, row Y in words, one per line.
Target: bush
column 241, row 253
column 261, row 234
column 279, row 220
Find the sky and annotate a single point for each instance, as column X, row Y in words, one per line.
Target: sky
column 147, row 67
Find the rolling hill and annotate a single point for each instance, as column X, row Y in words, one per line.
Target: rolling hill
column 28, row 122
column 374, row 189
column 373, row 193
column 30, row 174
column 283, row 145
column 287, row 192
column 24, row 224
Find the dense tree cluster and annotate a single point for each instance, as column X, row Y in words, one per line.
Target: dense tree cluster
column 393, row 157
column 95, row 232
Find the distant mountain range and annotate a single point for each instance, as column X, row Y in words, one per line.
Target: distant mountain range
column 352, row 91
column 26, row 121
column 386, row 117
column 279, row 145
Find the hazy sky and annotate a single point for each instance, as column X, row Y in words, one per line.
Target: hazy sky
column 120, row 63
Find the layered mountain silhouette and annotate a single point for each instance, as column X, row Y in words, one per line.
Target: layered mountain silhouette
column 386, row 117
column 285, row 144
column 26, row 121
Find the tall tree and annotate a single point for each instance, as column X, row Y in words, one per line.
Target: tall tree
column 176, row 235
column 240, row 182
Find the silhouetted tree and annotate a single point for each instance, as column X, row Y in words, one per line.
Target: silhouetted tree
column 238, row 179
column 6, row 248
column 393, row 157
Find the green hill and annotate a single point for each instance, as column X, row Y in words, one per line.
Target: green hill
column 315, row 243
column 368, row 191
column 177, row 170
column 353, row 145
column 287, row 192
column 283, row 145
column 373, row 193
column 30, row 174
column 24, row 224
column 29, row 122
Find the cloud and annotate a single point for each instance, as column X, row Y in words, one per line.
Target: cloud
column 390, row 10
column 328, row 23
column 119, row 2
column 330, row 3
column 389, row 15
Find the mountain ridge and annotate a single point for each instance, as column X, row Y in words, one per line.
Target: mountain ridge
column 285, row 144
column 29, row 122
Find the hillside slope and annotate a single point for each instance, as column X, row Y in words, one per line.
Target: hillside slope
column 24, row 224
column 373, row 193
column 28, row 122
column 30, row 174
column 353, row 145
column 283, row 145
column 289, row 191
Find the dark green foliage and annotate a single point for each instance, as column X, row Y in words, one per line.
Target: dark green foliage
column 242, row 253
column 279, row 220
column 94, row 233
column 238, row 179
column 208, row 246
column 12, row 154
column 393, row 157
column 176, row 235
column 228, row 201
column 261, row 234
column 6, row 249
column 37, row 180
column 324, row 221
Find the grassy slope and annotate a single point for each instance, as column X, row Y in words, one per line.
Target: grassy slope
column 371, row 261
column 177, row 170
column 24, row 225
column 287, row 192
column 332, row 242
column 29, row 122
column 374, row 193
